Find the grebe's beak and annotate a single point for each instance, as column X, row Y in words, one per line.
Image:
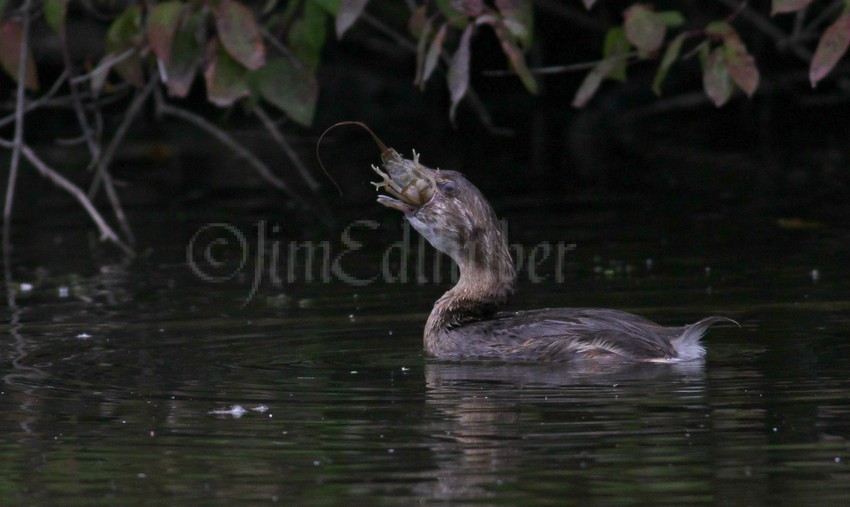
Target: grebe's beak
column 410, row 182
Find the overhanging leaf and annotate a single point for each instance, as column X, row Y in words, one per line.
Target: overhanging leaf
column 308, row 33
column 593, row 80
column 716, row 80
column 588, row 3
column 290, row 86
column 424, row 33
column 514, row 54
column 458, row 78
column 670, row 56
column 831, row 47
column 11, row 39
column 125, row 34
column 161, row 24
column 741, row 65
column 349, row 11
column 225, row 77
column 433, row 55
column 617, row 45
column 780, row 6
column 240, row 34
column 55, row 12
column 518, row 16
column 644, row 28
column 186, row 54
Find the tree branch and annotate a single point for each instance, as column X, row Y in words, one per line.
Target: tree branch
column 18, row 140
column 277, row 135
column 225, row 138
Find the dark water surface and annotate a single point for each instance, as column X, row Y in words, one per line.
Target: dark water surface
column 112, row 374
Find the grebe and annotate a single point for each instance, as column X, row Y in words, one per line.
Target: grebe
column 465, row 324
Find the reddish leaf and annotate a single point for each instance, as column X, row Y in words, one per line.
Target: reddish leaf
column 433, row 55
column 186, row 55
column 519, row 18
column 290, row 86
column 718, row 85
column 593, row 80
column 458, row 78
column 644, row 28
column 349, row 11
column 162, row 23
column 670, row 57
column 224, row 75
column 588, row 3
column 240, row 34
column 11, row 37
column 741, row 65
column 55, row 12
column 514, row 54
column 780, row 6
column 125, row 34
column 832, row 46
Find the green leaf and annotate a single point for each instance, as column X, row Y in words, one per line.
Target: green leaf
column 718, row 29
column 716, row 80
column 418, row 22
column 644, row 28
column 458, row 78
column 11, row 38
column 290, row 86
column 831, row 47
column 617, row 45
column 125, row 34
column 590, row 85
column 514, row 54
column 672, row 19
column 307, row 35
column 240, row 34
column 518, row 16
column 780, row 6
column 671, row 54
column 457, row 18
column 225, row 77
column 161, row 24
column 55, row 12
column 186, row 54
column 421, row 48
column 329, row 6
column 349, row 11
column 433, row 55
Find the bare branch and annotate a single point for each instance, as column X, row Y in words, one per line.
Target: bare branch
column 225, row 138
column 277, row 135
column 35, row 104
column 18, row 141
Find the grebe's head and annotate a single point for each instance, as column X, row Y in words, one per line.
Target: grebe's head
column 448, row 210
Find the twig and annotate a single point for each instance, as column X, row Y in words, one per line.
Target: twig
column 768, row 28
column 225, row 138
column 18, row 140
column 82, row 119
column 104, row 66
column 103, row 173
column 277, row 135
column 35, row 104
column 106, row 232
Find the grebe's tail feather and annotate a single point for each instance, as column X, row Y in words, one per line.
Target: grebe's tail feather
column 687, row 345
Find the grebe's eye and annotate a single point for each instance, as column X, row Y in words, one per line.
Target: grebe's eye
column 448, row 187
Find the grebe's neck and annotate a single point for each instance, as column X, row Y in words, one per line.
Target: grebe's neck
column 487, row 278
